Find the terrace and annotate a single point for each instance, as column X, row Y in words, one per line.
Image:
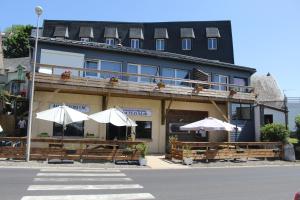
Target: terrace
column 51, row 78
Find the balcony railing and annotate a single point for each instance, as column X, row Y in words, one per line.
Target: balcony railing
column 140, row 78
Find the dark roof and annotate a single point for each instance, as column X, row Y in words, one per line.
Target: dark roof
column 11, row 64
column 145, row 52
column 171, row 31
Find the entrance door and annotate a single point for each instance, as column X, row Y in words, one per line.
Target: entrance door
column 177, row 118
column 118, row 132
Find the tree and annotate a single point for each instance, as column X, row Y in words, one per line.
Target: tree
column 274, row 133
column 297, row 122
column 16, row 44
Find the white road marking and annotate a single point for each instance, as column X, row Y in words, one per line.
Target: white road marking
column 81, row 174
column 81, row 179
column 133, row 196
column 84, row 187
column 79, row 170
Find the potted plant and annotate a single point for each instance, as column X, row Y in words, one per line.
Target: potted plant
column 187, row 155
column 161, row 85
column 198, row 88
column 90, row 135
column 43, row 134
column 114, row 80
column 143, row 149
column 232, row 92
column 66, row 75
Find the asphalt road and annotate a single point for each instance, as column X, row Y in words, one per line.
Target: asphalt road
column 273, row 183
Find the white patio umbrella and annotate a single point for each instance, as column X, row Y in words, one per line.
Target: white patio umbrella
column 113, row 116
column 63, row 115
column 210, row 124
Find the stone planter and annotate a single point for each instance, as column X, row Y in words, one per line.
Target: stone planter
column 187, row 161
column 142, row 161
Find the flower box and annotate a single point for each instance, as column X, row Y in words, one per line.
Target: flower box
column 198, row 88
column 161, row 85
column 114, row 80
column 66, row 75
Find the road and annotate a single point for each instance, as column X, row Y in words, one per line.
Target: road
column 273, row 183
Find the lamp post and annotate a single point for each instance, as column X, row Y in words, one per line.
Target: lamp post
column 38, row 12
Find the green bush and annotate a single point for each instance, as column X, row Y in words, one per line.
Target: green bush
column 297, row 122
column 274, row 133
column 143, row 148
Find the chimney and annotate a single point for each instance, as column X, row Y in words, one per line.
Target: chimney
column 1, row 56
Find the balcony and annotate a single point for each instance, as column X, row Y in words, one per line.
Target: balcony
column 49, row 78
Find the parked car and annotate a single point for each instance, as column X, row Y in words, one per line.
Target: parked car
column 297, row 196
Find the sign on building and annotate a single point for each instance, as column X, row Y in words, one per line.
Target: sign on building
column 79, row 107
column 137, row 112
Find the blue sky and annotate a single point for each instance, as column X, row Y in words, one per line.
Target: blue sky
column 265, row 32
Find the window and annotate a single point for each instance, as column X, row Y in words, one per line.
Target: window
column 240, row 111
column 83, row 39
column 175, row 73
column 135, row 43
column 143, row 130
column 91, row 65
column 186, row 44
column 110, row 66
column 212, row 44
column 75, row 129
column 110, row 41
column 142, row 69
column 240, row 82
column 217, row 78
column 160, row 44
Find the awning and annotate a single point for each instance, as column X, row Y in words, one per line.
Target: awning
column 111, row 32
column 198, row 74
column 61, row 31
column 161, row 33
column 187, row 33
column 212, row 32
column 86, row 32
column 136, row 33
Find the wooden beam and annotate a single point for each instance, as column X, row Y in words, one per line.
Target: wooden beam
column 105, row 99
column 163, row 112
column 169, row 107
column 219, row 110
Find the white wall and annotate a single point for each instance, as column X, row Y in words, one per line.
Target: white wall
column 278, row 117
column 257, row 123
column 294, row 110
column 61, row 58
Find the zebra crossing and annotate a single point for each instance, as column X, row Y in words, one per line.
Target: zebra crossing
column 85, row 184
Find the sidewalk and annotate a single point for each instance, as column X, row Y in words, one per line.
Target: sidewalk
column 158, row 162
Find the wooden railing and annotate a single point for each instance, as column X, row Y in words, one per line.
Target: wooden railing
column 226, row 150
column 81, row 72
column 75, row 149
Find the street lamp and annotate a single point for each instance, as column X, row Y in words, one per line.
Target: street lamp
column 38, row 12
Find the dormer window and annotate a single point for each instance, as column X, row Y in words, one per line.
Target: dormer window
column 212, row 43
column 160, row 44
column 86, row 34
column 135, row 43
column 186, row 44
column 212, row 33
column 187, row 34
column 160, row 35
column 110, row 41
column 84, row 39
column 136, row 35
column 61, row 32
column 111, row 35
